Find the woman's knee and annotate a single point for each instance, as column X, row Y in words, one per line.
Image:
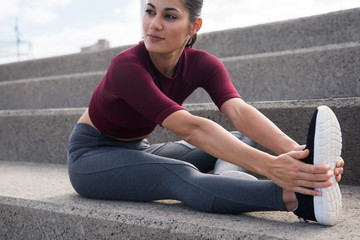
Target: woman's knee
column 243, row 138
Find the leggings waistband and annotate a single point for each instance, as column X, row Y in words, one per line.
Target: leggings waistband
column 84, row 138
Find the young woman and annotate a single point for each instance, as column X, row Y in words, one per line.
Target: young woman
column 110, row 158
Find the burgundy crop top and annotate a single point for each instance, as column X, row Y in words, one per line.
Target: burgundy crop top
column 133, row 96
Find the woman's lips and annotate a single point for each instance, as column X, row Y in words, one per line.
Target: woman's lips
column 155, row 37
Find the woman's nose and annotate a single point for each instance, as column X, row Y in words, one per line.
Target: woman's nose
column 156, row 23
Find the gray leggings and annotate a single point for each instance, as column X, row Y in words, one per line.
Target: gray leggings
column 104, row 168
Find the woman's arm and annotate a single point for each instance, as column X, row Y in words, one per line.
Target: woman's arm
column 253, row 124
column 250, row 122
column 215, row 140
column 285, row 170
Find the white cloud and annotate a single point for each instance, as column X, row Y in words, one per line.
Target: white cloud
column 9, row 8
column 228, row 14
column 48, row 3
column 130, row 12
column 70, row 40
column 41, row 11
column 39, row 15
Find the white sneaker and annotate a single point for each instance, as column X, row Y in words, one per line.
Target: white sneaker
column 324, row 142
column 239, row 175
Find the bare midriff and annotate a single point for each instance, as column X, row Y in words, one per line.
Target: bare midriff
column 85, row 118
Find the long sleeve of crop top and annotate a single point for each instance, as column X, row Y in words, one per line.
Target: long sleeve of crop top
column 217, row 82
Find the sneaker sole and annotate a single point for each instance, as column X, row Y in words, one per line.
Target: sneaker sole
column 327, row 150
column 239, row 175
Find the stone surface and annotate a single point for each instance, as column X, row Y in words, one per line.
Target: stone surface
column 41, row 135
column 333, row 28
column 38, row 202
column 322, row 72
column 36, row 135
column 60, row 65
column 65, row 91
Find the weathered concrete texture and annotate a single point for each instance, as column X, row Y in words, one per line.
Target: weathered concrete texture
column 36, row 135
column 41, row 135
column 60, row 65
column 329, row 71
column 321, row 72
column 41, row 204
column 333, row 28
column 65, row 91
column 326, row 29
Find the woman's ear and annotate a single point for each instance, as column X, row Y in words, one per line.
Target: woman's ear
column 196, row 26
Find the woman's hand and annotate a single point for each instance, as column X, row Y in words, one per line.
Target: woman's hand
column 290, row 173
column 339, row 169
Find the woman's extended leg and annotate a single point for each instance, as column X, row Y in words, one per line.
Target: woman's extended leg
column 137, row 176
column 109, row 172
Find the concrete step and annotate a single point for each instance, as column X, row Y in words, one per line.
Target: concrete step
column 321, row 72
column 38, row 202
column 66, row 91
column 332, row 28
column 41, row 135
column 60, row 65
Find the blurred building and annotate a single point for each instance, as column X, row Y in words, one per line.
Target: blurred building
column 102, row 44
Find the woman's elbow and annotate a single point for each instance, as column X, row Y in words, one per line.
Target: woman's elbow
column 183, row 124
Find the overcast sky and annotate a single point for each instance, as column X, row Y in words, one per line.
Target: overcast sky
column 58, row 27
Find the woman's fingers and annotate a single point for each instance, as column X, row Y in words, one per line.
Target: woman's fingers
column 338, row 178
column 306, row 191
column 294, row 175
column 289, row 172
column 339, row 169
column 299, row 154
column 316, row 177
column 340, row 163
column 315, row 184
column 300, row 148
column 323, row 170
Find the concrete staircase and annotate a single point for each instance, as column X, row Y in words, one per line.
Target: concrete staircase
column 285, row 69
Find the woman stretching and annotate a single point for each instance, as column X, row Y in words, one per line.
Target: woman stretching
column 110, row 158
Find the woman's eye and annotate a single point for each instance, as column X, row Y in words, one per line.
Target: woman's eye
column 170, row 16
column 151, row 12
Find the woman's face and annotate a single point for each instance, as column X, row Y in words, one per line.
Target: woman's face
column 166, row 26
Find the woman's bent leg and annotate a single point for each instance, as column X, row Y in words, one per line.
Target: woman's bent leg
column 205, row 162
column 186, row 152
column 222, row 166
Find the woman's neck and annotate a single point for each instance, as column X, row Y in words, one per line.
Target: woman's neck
column 166, row 63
